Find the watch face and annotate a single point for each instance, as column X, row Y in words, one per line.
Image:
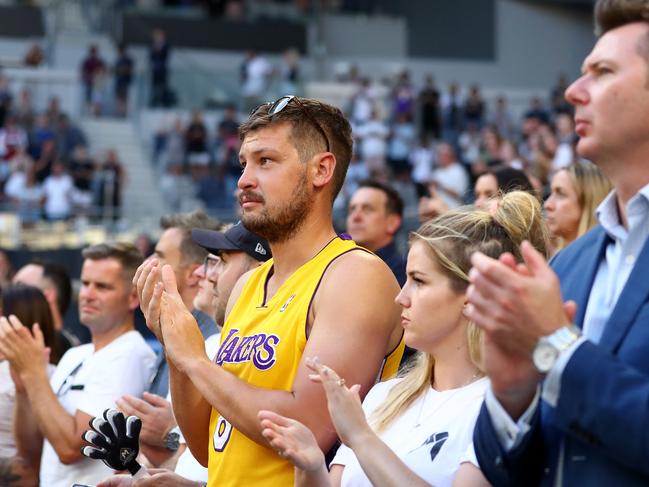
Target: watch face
column 544, row 356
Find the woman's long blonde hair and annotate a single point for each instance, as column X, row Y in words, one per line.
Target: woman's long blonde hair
column 452, row 238
column 591, row 187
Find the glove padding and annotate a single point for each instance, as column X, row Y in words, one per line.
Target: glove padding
column 115, row 440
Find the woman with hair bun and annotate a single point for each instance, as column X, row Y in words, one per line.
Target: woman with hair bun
column 417, row 429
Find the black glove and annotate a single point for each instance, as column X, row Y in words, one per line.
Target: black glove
column 115, row 440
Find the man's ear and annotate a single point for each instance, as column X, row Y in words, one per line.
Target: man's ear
column 393, row 223
column 133, row 300
column 322, row 168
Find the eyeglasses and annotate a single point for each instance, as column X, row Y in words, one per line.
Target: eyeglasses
column 210, row 263
column 281, row 103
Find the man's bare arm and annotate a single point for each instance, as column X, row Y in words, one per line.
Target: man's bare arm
column 354, row 315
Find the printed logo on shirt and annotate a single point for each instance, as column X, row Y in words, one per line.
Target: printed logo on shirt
column 438, row 440
column 288, row 301
column 258, row 348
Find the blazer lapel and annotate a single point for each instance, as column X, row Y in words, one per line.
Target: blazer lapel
column 579, row 285
column 633, row 295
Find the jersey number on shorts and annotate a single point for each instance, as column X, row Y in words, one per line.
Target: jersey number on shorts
column 222, row 433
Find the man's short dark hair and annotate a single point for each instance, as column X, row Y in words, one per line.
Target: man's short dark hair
column 306, row 138
column 125, row 253
column 191, row 252
column 611, row 14
column 393, row 201
column 60, row 279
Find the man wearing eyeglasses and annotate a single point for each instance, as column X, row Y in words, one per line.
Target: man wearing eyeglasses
column 321, row 295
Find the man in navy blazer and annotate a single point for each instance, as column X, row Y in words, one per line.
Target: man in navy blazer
column 569, row 403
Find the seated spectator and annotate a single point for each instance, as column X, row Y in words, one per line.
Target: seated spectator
column 25, row 193
column 198, row 156
column 576, row 192
column 110, row 182
column 373, row 136
column 417, row 429
column 429, row 101
column 403, row 135
column 13, row 138
column 34, row 56
column 493, row 184
column 68, row 137
column 82, row 170
column 449, row 179
column 58, row 190
column 24, row 111
column 422, row 160
column 474, row 107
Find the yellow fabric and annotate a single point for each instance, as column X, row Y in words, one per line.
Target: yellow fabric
column 262, row 343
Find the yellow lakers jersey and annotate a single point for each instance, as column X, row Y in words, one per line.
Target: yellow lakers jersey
column 262, row 342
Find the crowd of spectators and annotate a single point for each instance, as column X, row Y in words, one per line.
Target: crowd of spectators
column 46, row 170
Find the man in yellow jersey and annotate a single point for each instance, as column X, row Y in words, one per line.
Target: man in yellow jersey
column 320, row 295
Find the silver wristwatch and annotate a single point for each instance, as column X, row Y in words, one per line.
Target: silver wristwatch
column 549, row 347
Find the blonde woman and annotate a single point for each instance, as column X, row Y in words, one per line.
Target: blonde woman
column 576, row 193
column 419, row 426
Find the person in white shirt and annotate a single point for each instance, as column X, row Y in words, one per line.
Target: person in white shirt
column 419, row 426
column 89, row 378
column 450, row 179
column 58, row 189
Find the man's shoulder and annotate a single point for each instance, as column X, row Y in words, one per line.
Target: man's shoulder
column 570, row 254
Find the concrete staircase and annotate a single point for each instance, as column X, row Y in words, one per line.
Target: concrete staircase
column 142, row 200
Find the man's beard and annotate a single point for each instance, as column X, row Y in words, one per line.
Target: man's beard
column 280, row 223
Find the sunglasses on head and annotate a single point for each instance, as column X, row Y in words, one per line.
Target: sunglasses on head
column 282, row 102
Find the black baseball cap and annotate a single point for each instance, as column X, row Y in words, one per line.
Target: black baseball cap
column 237, row 238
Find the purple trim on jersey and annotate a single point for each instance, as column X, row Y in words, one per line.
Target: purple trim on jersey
column 308, row 310
column 345, row 236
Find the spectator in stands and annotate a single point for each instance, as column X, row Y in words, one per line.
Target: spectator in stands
column 509, row 155
column 89, row 378
column 566, row 139
column 403, row 97
column 5, row 98
column 362, row 103
column 403, row 135
column 430, row 113
column 449, row 179
column 474, row 107
column 54, row 281
column 24, row 110
column 422, row 159
column 144, row 245
column 501, row 118
column 289, row 71
column 26, row 194
column 198, row 157
column 226, row 153
column 68, row 137
column 53, row 111
column 13, row 138
column 537, row 111
column 58, row 190
column 123, row 69
column 41, row 134
column 19, row 462
column 82, row 170
column 159, row 53
column 576, row 192
column 111, row 176
column 373, row 136
column 374, row 217
column 90, row 66
column 34, row 56
column 558, row 101
column 493, row 184
column 490, row 148
column 170, row 144
column 452, row 114
column 102, row 93
column 255, row 74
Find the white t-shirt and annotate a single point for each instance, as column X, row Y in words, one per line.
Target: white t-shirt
column 121, row 367
column 58, row 195
column 433, row 450
column 454, row 178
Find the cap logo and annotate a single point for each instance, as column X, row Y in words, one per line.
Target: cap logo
column 260, row 249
